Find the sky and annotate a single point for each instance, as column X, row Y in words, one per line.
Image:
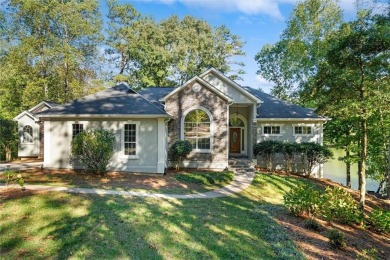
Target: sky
column 257, row 22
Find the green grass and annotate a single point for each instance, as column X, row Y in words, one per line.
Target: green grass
column 60, row 225
column 213, row 179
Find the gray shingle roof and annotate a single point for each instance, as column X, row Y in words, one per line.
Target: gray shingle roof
column 118, row 100
column 277, row 108
column 154, row 94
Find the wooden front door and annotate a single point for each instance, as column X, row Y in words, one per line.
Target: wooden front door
column 235, row 140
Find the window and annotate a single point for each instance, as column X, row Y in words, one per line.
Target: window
column 302, row 130
column 197, row 129
column 271, row 130
column 27, row 134
column 76, row 129
column 130, row 139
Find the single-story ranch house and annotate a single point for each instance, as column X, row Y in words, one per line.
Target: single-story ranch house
column 218, row 116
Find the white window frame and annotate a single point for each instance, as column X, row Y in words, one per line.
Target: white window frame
column 271, row 125
column 211, row 128
column 303, row 125
column 32, row 134
column 137, row 142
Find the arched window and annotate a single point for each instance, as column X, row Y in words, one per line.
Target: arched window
column 27, row 134
column 236, row 121
column 197, row 129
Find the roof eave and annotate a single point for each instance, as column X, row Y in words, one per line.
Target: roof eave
column 86, row 116
column 294, row 119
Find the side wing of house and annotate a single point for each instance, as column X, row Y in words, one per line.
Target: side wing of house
column 31, row 131
column 139, row 127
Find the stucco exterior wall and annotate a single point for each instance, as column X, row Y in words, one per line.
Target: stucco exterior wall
column 287, row 135
column 58, row 136
column 185, row 100
column 28, row 149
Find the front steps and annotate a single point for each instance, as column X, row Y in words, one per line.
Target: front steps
column 241, row 165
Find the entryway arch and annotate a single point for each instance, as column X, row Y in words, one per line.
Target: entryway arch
column 237, row 134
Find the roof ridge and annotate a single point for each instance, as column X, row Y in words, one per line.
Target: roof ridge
column 150, row 102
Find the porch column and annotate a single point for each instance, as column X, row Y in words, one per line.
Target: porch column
column 161, row 136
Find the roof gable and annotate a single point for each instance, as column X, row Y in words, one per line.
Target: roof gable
column 228, row 86
column 201, row 81
column 25, row 113
column 42, row 105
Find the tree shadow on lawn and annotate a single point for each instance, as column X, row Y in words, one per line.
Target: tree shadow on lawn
column 91, row 226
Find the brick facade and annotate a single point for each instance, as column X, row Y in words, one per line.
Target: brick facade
column 177, row 104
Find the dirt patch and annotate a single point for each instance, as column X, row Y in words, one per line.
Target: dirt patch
column 315, row 245
column 110, row 180
column 15, row 193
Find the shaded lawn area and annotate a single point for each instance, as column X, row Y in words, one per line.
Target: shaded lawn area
column 60, row 225
column 185, row 181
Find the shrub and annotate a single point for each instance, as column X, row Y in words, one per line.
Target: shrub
column 289, row 150
column 336, row 239
column 94, row 149
column 12, row 177
column 311, row 224
column 303, row 200
column 267, row 150
column 338, row 204
column 380, row 220
column 179, row 150
column 313, row 154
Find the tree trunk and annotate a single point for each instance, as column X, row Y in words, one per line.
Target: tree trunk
column 348, row 168
column 388, row 175
column 359, row 176
column 8, row 153
column 362, row 172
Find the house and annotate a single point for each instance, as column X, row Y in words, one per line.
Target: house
column 218, row 116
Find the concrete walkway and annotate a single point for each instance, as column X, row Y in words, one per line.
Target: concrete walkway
column 241, row 181
column 18, row 166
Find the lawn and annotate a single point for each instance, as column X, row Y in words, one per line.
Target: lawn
column 60, row 225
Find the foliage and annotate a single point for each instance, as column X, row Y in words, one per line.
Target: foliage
column 289, row 150
column 338, row 204
column 13, row 177
column 8, row 138
column 303, row 200
column 336, row 239
column 302, row 47
column 94, row 149
column 50, row 52
column 369, row 254
column 380, row 220
column 170, row 52
column 267, row 150
column 179, row 150
column 206, row 178
column 312, row 224
column 314, row 154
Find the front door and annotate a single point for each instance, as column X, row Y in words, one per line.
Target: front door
column 235, row 140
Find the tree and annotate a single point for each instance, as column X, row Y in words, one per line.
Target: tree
column 179, row 150
column 356, row 76
column 295, row 58
column 52, row 52
column 166, row 53
column 94, row 149
column 8, row 138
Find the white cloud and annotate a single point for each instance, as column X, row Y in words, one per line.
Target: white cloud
column 250, row 7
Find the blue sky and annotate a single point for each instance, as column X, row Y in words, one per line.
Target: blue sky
column 257, row 22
